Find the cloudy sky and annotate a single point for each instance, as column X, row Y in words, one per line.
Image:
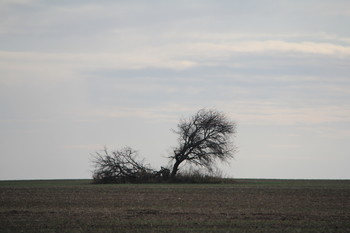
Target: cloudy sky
column 76, row 76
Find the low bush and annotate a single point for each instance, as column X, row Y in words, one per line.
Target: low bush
column 197, row 176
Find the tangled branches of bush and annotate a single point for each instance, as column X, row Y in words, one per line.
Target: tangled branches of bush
column 119, row 166
column 122, row 166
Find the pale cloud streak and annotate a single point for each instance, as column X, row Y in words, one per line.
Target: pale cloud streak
column 177, row 56
column 275, row 46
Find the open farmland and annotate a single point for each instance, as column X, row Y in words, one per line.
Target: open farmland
column 244, row 206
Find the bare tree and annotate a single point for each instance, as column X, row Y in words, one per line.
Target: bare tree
column 119, row 166
column 203, row 139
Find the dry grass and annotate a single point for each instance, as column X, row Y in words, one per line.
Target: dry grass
column 245, row 206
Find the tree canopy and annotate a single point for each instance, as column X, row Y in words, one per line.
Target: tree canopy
column 203, row 139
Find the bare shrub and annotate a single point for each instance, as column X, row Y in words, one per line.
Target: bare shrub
column 121, row 166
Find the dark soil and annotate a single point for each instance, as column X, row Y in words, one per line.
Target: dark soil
column 245, row 206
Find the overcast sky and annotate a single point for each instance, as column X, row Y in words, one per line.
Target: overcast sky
column 76, row 76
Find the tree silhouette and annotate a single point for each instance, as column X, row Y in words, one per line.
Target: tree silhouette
column 203, row 139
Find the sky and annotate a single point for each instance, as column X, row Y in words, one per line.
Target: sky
column 78, row 76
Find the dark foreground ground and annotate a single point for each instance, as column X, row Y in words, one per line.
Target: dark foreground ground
column 245, row 206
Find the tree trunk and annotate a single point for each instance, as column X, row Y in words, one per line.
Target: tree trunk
column 175, row 168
